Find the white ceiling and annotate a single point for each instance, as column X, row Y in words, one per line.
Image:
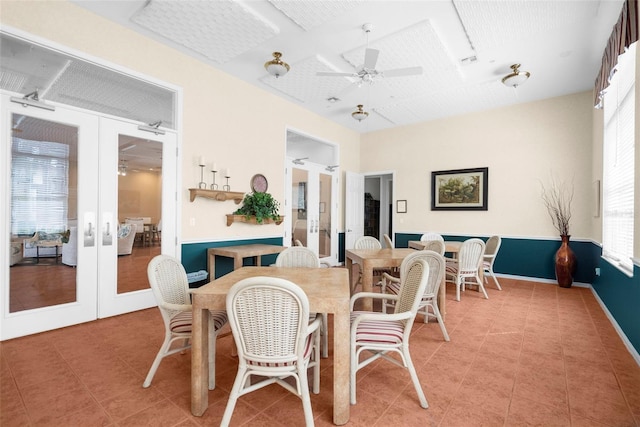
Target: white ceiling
column 559, row 42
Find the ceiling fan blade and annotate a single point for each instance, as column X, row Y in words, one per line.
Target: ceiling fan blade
column 334, row 74
column 371, row 58
column 400, row 72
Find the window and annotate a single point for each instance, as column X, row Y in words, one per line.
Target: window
column 39, row 186
column 618, row 167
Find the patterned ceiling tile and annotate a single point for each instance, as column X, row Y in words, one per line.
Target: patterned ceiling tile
column 302, row 83
column 220, row 30
column 311, row 13
column 518, row 19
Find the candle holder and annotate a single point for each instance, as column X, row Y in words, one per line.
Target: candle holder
column 227, row 187
column 214, row 186
column 202, row 184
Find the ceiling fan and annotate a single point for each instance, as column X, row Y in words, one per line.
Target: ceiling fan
column 367, row 72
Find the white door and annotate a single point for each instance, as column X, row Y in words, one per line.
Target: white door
column 49, row 184
column 311, row 209
column 145, row 192
column 354, row 208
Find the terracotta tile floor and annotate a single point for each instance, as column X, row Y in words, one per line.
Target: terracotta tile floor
column 533, row 354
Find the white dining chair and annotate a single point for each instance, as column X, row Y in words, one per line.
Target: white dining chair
column 490, row 253
column 466, row 266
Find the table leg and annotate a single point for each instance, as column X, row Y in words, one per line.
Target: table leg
column 367, row 284
column 257, row 260
column 341, row 362
column 237, row 262
column 350, row 270
column 211, row 266
column 199, row 362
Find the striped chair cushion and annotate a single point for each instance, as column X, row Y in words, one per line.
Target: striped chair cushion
column 220, row 318
column 486, row 264
column 393, row 288
column 378, row 332
column 181, row 322
column 452, row 268
column 308, row 347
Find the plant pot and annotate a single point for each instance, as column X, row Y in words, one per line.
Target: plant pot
column 231, row 218
column 565, row 263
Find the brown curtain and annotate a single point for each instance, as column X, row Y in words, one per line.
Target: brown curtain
column 624, row 33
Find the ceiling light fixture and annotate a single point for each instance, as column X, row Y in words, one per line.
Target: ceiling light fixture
column 516, row 78
column 276, row 67
column 360, row 114
column 31, row 99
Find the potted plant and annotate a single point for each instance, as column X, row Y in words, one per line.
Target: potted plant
column 259, row 206
column 557, row 199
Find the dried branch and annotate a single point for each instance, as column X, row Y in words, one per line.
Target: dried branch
column 557, row 198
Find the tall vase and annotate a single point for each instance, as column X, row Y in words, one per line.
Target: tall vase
column 565, row 263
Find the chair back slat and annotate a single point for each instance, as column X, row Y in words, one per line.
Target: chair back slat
column 268, row 317
column 169, row 283
column 470, row 256
column 437, row 246
column 431, row 236
column 367, row 242
column 297, row 256
column 412, row 287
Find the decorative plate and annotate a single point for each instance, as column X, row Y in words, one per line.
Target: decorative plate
column 259, row 183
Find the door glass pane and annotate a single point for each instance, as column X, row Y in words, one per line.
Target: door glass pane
column 139, row 210
column 44, row 177
column 299, row 184
column 324, row 249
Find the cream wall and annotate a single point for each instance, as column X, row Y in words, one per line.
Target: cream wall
column 140, row 195
column 523, row 146
column 226, row 120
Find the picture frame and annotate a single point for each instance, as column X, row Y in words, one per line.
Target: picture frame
column 401, row 206
column 460, row 189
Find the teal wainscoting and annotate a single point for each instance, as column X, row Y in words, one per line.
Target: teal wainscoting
column 621, row 295
column 530, row 257
column 194, row 255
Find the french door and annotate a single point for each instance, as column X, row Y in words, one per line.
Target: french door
column 59, row 212
column 311, row 207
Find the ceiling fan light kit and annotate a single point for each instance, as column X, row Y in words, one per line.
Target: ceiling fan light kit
column 516, row 78
column 360, row 114
column 276, row 67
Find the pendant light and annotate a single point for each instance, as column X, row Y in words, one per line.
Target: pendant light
column 516, row 78
column 276, row 67
column 360, row 114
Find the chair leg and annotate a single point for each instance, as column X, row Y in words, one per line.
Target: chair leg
column 495, row 279
column 156, row 362
column 233, row 398
column 305, row 397
column 443, row 328
column 213, row 335
column 316, row 368
column 458, row 284
column 481, row 286
column 414, row 378
column 352, row 375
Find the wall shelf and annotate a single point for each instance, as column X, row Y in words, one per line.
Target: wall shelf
column 231, row 218
column 220, row 196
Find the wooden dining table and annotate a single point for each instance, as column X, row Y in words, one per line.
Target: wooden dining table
column 239, row 253
column 449, row 245
column 328, row 292
column 370, row 259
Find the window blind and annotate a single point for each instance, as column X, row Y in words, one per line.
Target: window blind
column 39, row 186
column 618, row 164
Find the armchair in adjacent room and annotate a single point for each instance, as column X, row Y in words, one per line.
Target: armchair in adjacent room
column 126, row 237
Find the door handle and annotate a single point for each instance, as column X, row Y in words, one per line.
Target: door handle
column 89, row 235
column 107, row 234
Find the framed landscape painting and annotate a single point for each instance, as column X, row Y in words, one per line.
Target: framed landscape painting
column 459, row 189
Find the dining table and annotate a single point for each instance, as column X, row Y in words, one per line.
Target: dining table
column 328, row 292
column 370, row 259
column 239, row 253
